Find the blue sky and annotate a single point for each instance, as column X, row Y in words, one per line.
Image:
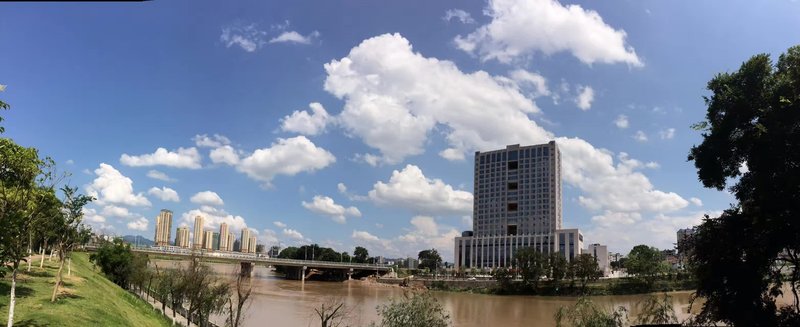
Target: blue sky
column 355, row 123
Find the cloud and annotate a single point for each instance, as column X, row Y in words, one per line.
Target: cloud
column 667, row 134
column 640, row 136
column 246, row 36
column 165, row 194
column 410, row 189
column 155, row 174
column 658, row 230
column 213, row 141
column 208, row 198
column 269, row 238
column 652, row 165
column 462, row 16
column 621, row 121
column 342, row 188
column 286, row 157
column 111, row 187
column 536, row 81
column 90, row 215
column 293, row 234
column 115, row 211
column 302, row 122
column 279, row 224
column 225, row 154
column 696, row 202
column 70, row 162
column 324, row 205
column 364, row 236
column 350, row 196
column 520, row 28
column 585, row 97
column 295, row 37
column 182, row 158
column 393, row 108
column 139, row 224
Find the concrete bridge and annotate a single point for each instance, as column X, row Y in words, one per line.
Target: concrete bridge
column 295, row 269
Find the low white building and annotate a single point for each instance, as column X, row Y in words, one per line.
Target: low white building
column 600, row 253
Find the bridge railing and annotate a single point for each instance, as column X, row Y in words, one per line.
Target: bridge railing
column 171, row 250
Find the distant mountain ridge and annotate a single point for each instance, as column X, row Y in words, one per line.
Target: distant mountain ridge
column 137, row 240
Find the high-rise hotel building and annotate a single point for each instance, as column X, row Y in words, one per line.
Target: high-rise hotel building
column 163, row 228
column 517, row 204
column 198, row 233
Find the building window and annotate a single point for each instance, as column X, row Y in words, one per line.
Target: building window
column 513, row 186
column 513, row 165
column 512, row 207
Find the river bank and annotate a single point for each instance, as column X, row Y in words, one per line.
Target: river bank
column 87, row 299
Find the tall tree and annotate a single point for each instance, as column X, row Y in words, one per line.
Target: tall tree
column 360, row 254
column 26, row 190
column 751, row 143
column 585, row 269
column 532, row 265
column 645, row 262
column 558, row 267
column 429, row 259
column 69, row 229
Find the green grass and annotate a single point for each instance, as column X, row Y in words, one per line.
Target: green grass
column 87, row 299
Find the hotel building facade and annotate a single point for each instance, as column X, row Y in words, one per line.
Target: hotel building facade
column 517, row 204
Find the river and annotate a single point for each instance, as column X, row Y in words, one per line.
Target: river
column 279, row 302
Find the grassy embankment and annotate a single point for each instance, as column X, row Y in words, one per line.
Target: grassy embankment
column 87, row 299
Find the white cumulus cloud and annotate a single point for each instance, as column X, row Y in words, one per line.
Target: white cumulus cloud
column 208, row 198
column 667, row 134
column 640, row 136
column 279, row 224
column 293, row 234
column 165, row 194
column 585, row 97
column 520, row 28
column 155, row 174
column 113, row 187
column 213, row 141
column 410, row 189
column 295, row 37
column 621, row 121
column 459, row 14
column 302, row 122
column 285, row 157
column 324, row 205
column 139, row 224
column 182, row 158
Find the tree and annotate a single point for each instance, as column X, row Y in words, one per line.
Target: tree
column 645, row 262
column 503, row 278
column 430, row 259
column 586, row 314
column 115, row 261
column 415, row 309
column 585, row 269
column 332, row 312
column 241, row 290
column 751, row 143
column 25, row 193
column 360, row 254
column 70, row 230
column 656, row 310
column 558, row 268
column 532, row 265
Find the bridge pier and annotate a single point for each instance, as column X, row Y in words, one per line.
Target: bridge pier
column 246, row 269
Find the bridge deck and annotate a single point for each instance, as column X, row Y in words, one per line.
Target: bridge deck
column 244, row 257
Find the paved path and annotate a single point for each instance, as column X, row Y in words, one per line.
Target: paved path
column 179, row 320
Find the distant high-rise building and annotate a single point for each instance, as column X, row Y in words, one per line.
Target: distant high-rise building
column 215, row 241
column 198, row 232
column 208, row 240
column 252, row 244
column 223, row 237
column 182, row 237
column 516, row 204
column 163, row 228
column 230, row 240
column 600, row 254
column 245, row 240
column 237, row 245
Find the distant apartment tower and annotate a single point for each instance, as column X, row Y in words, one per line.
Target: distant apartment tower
column 245, row 239
column 516, row 204
column 231, row 239
column 182, row 237
column 252, row 244
column 223, row 237
column 208, row 240
column 163, row 228
column 198, row 232
column 215, row 241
